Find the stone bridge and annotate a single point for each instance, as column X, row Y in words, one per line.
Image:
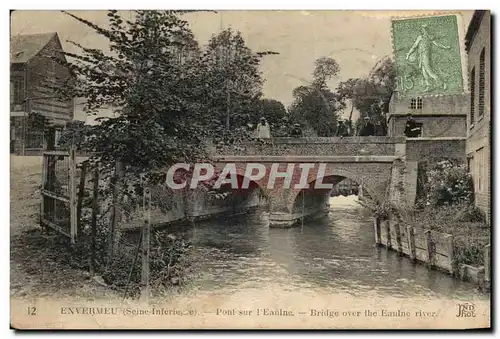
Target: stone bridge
column 373, row 162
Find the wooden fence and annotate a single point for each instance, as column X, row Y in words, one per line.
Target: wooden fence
column 430, row 247
column 59, row 198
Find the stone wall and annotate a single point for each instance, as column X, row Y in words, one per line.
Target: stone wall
column 435, row 150
column 176, row 206
column 315, row 146
column 456, row 104
column 441, row 116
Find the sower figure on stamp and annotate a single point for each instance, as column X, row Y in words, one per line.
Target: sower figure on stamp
column 423, row 46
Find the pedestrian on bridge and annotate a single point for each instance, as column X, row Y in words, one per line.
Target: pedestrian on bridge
column 263, row 129
column 342, row 129
column 412, row 129
column 296, row 131
column 368, row 128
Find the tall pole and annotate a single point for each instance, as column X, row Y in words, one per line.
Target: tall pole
column 27, row 113
column 95, row 210
column 226, row 62
column 228, row 103
column 146, row 233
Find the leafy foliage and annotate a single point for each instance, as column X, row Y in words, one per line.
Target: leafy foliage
column 371, row 95
column 324, row 69
column 169, row 96
column 38, row 122
column 449, row 183
column 381, row 209
column 315, row 105
column 273, row 110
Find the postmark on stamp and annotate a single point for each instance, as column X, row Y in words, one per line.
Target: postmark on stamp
column 427, row 54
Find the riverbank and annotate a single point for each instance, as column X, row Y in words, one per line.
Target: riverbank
column 469, row 229
column 453, row 238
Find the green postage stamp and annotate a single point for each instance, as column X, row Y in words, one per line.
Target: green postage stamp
column 427, row 54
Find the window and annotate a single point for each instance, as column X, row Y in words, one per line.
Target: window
column 58, row 133
column 17, row 93
column 416, row 103
column 34, row 139
column 472, row 95
column 470, row 164
column 481, row 83
column 479, row 163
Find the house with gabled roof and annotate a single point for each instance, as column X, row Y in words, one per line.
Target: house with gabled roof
column 33, row 75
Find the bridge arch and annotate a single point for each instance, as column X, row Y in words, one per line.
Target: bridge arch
column 374, row 185
column 256, row 194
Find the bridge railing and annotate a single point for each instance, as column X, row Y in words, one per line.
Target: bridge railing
column 333, row 146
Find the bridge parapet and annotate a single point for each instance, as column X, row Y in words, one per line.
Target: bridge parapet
column 334, row 146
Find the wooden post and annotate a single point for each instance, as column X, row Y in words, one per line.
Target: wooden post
column 146, row 232
column 45, row 171
column 49, row 203
column 487, row 259
column 388, row 231
column 81, row 193
column 72, row 193
column 398, row 238
column 430, row 248
column 376, row 227
column 95, row 211
column 115, row 209
column 411, row 242
column 449, row 245
column 49, row 138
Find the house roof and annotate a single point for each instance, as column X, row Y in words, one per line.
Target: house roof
column 474, row 24
column 25, row 47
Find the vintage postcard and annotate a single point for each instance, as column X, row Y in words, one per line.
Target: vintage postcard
column 250, row 169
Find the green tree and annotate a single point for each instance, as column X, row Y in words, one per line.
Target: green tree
column 371, row 95
column 316, row 106
column 273, row 110
column 149, row 74
column 324, row 69
column 346, row 92
column 170, row 95
column 232, row 82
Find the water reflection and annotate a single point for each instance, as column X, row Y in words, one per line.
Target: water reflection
column 335, row 253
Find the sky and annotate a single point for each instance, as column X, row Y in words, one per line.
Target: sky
column 355, row 39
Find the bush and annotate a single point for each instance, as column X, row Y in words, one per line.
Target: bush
column 469, row 250
column 168, row 263
column 169, row 254
column 452, row 219
column 381, row 209
column 449, row 183
column 169, row 259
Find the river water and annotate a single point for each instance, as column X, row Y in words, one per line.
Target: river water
column 335, row 254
